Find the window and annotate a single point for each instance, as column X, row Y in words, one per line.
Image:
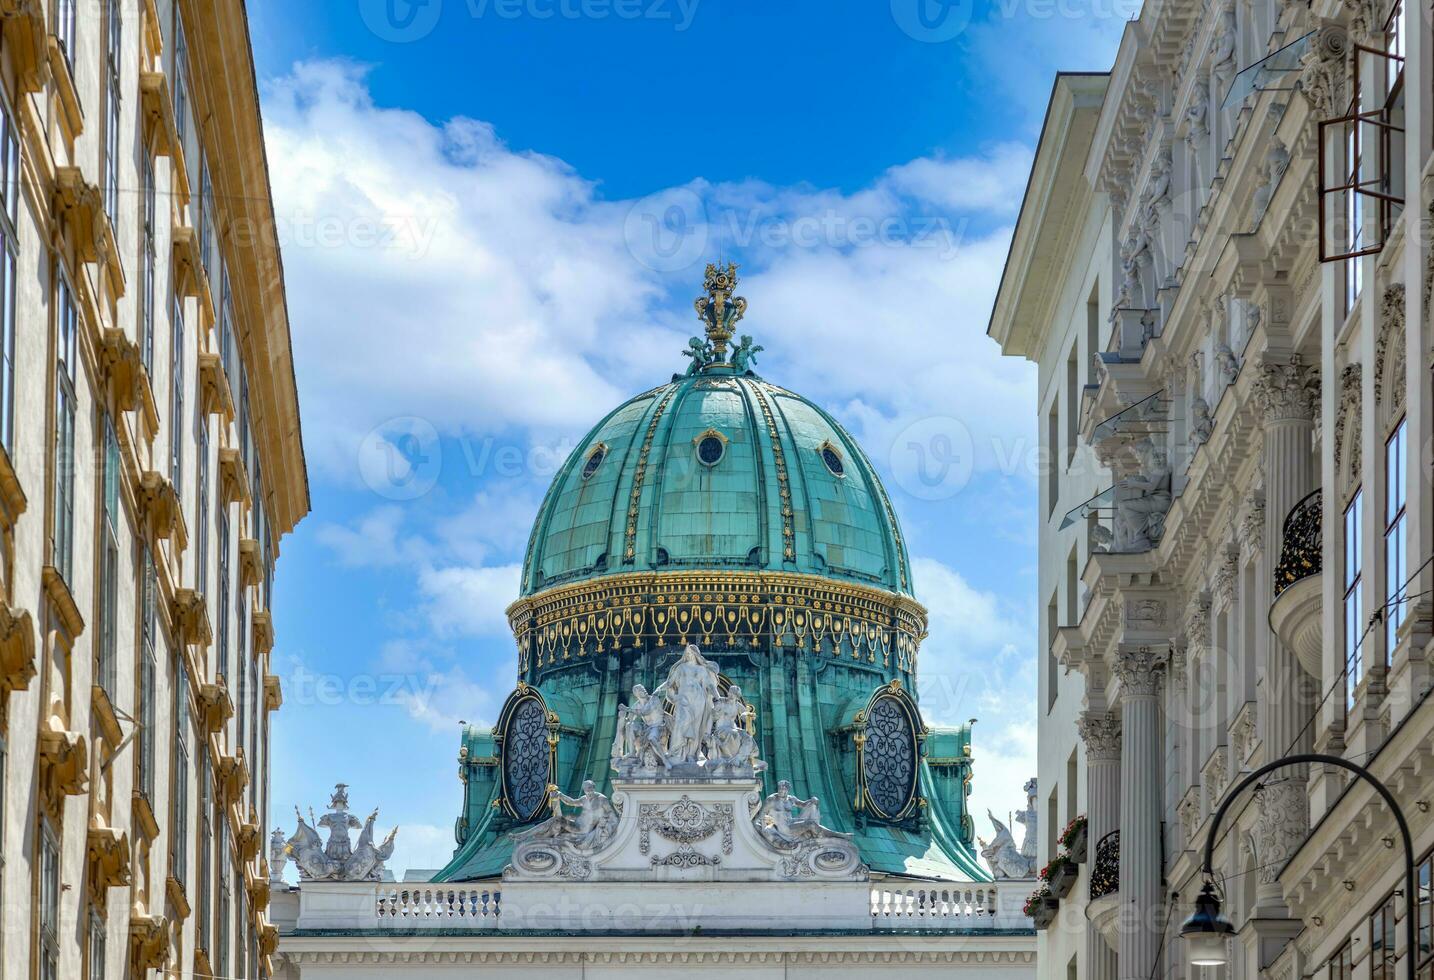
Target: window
column 49, row 903
column 206, row 231
column 65, row 17
column 148, row 668
column 1381, row 942
column 594, row 461
column 221, row 952
column 179, row 840
column 9, row 212
column 710, row 450
column 206, row 852
column 181, row 77
column 176, row 397
column 1396, row 558
column 1426, row 923
column 147, row 263
column 831, row 456
column 1353, row 602
column 1341, row 964
column 108, row 652
column 241, row 711
column 201, row 508
column 222, row 626
column 67, row 325
column 112, row 105
column 97, row 946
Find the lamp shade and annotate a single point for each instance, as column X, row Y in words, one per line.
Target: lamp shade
column 1206, row 931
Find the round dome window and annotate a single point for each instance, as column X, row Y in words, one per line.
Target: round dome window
column 594, row 460
column 832, row 459
column 710, row 450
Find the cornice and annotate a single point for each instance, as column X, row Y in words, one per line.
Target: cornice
column 656, row 957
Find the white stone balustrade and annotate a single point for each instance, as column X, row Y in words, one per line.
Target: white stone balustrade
column 438, row 906
column 974, row 906
column 386, row 906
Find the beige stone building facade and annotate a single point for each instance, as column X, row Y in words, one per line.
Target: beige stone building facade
column 1223, row 268
column 150, row 463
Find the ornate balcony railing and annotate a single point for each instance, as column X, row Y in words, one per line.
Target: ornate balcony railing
column 1105, row 872
column 1301, row 543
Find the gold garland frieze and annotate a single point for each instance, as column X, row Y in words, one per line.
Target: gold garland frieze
column 737, row 609
column 789, row 538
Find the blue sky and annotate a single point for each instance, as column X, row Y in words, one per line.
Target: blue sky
column 495, row 215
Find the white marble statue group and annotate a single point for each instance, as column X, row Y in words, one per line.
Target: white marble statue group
column 1003, row 857
column 687, row 747
column 338, row 859
column 686, row 727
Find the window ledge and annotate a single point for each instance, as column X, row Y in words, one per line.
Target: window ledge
column 27, row 37
column 214, row 389
column 12, row 495
column 69, row 97
column 175, row 890
column 17, row 649
column 144, row 817
column 104, row 711
column 263, row 631
column 273, row 692
column 57, row 590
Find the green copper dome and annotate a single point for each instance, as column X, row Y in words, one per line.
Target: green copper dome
column 717, row 470
column 723, row 510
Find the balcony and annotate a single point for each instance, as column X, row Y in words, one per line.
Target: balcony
column 1295, row 614
column 1104, row 908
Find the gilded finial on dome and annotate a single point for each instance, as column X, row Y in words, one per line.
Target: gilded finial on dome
column 719, row 310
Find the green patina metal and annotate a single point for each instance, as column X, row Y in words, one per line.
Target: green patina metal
column 786, row 493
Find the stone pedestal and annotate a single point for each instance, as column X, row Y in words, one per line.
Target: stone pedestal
column 686, row 854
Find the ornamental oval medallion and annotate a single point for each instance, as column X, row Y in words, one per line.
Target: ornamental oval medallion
column 889, row 757
column 526, row 759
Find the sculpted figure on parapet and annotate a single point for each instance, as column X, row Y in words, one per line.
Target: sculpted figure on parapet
column 686, row 726
column 338, row 859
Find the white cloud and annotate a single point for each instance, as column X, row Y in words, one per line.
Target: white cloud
column 421, row 846
column 373, row 542
column 436, row 272
column 467, row 600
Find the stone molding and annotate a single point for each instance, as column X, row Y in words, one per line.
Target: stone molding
column 1281, row 827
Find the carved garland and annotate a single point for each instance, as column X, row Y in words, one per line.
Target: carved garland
column 789, row 551
column 1391, row 339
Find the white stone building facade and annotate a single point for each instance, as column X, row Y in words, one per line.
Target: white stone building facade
column 1222, row 268
column 150, row 463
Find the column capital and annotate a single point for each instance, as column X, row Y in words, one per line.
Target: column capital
column 1139, row 670
column 1286, row 390
column 1100, row 731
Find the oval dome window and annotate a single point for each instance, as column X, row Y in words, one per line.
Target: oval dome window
column 594, row 460
column 833, row 460
column 710, row 450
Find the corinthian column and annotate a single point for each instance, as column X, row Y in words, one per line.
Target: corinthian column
column 1140, row 670
column 1287, row 394
column 1101, row 734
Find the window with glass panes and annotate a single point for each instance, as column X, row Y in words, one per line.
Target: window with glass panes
column 222, row 626
column 113, row 56
column 205, row 229
column 221, row 945
column 1353, row 602
column 148, row 669
column 49, row 918
column 66, row 15
column 1381, row 942
column 97, row 946
column 1396, row 557
column 9, row 248
column 201, row 511
column 206, row 852
column 241, row 654
column 67, row 327
column 179, row 808
column 181, row 77
column 109, row 566
column 1426, row 918
column 176, row 394
column 148, row 262
column 1341, row 964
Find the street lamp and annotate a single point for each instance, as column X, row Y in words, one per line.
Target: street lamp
column 1206, row 931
